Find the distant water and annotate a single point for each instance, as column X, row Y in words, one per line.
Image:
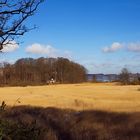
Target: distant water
column 102, row 77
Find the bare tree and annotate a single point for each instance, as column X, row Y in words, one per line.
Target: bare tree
column 124, row 76
column 13, row 14
column 29, row 71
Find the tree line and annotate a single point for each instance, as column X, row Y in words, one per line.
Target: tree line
column 128, row 78
column 29, row 71
column 125, row 77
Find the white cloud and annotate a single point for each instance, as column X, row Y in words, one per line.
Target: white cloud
column 113, row 48
column 134, row 47
column 47, row 50
column 10, row 47
column 42, row 49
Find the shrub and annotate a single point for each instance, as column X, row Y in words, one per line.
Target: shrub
column 35, row 123
column 18, row 131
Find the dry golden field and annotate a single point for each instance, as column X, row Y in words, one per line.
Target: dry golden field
column 108, row 97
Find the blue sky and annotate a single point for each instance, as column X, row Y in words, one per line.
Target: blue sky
column 102, row 35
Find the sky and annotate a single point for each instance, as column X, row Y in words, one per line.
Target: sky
column 102, row 35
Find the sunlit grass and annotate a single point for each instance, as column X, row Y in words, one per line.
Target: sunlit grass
column 99, row 96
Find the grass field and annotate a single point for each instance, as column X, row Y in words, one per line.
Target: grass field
column 106, row 96
column 102, row 112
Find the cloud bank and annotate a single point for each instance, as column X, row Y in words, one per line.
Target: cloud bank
column 41, row 49
column 113, row 48
column 46, row 50
column 134, row 47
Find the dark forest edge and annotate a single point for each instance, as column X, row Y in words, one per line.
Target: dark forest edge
column 36, row 123
column 41, row 71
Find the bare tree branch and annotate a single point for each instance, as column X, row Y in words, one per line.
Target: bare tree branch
column 12, row 18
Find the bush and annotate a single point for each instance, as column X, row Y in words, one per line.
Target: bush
column 34, row 123
column 10, row 130
column 124, row 77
